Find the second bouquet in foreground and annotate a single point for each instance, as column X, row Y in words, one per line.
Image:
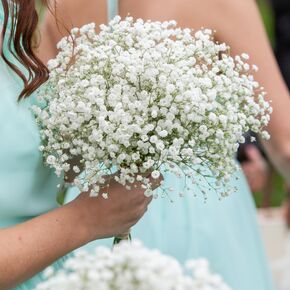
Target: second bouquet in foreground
column 139, row 96
column 131, row 267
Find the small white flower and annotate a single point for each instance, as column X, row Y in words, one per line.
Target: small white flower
column 76, row 169
column 52, row 64
column 163, row 133
column 170, row 88
column 51, row 160
column 153, row 139
column 245, row 56
column 265, row 135
column 155, row 174
column 255, row 68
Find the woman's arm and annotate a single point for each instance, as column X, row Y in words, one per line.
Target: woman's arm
column 28, row 248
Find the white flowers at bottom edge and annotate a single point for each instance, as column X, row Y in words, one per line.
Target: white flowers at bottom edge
column 130, row 266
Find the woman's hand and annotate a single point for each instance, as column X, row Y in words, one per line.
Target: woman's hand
column 113, row 216
column 28, row 248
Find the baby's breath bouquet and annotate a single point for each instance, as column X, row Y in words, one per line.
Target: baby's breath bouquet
column 141, row 96
column 130, row 267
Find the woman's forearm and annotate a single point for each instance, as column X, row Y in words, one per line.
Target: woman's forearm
column 28, row 248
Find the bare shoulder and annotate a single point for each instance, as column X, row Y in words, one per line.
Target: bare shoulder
column 208, row 13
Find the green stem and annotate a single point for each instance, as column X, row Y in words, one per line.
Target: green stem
column 118, row 240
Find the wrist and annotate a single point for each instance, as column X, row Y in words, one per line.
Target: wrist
column 85, row 223
column 80, row 231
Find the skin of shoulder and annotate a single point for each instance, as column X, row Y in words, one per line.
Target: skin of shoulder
column 185, row 12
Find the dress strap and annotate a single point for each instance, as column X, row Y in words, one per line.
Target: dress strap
column 112, row 8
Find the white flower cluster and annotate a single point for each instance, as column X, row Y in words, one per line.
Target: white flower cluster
column 141, row 96
column 130, row 267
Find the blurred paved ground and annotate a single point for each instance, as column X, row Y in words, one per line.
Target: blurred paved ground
column 277, row 242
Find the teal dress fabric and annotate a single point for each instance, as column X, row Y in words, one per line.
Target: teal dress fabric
column 223, row 231
column 27, row 188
